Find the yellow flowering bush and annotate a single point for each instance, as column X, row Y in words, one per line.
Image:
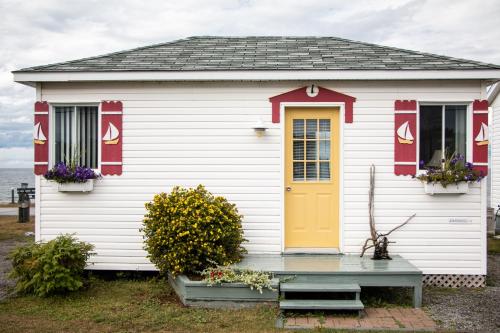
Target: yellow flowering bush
column 188, row 230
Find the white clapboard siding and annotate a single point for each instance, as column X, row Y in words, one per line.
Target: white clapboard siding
column 202, row 133
column 495, row 153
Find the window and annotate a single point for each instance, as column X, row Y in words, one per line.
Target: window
column 76, row 136
column 443, row 129
column 311, row 150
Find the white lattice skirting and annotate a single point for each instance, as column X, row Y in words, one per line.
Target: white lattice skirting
column 454, row 281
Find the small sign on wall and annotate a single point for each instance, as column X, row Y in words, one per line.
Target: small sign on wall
column 460, row 220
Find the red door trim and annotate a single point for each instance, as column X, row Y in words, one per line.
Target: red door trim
column 322, row 95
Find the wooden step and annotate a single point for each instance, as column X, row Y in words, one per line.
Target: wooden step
column 296, row 304
column 320, row 287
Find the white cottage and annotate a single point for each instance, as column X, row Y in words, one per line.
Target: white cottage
column 494, row 102
column 285, row 127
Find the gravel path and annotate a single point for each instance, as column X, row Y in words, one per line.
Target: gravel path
column 467, row 309
column 5, row 284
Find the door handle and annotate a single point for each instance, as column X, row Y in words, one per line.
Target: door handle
column 288, row 188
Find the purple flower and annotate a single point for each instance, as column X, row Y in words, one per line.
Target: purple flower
column 61, row 173
column 421, row 164
column 82, row 174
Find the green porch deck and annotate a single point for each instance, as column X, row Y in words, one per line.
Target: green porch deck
column 340, row 269
column 310, row 274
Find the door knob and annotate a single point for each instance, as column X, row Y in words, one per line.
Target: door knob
column 288, row 188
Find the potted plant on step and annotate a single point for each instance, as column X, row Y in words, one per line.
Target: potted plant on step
column 453, row 177
column 72, row 178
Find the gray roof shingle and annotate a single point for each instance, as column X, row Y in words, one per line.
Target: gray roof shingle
column 262, row 53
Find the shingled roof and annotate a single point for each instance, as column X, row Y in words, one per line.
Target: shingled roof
column 263, row 53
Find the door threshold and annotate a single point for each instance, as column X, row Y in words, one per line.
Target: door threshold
column 311, row 250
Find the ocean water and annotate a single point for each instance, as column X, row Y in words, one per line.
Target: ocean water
column 13, row 178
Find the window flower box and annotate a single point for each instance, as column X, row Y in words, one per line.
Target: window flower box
column 76, row 187
column 72, row 178
column 453, row 177
column 437, row 188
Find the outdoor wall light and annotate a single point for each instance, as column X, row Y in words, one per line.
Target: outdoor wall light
column 260, row 128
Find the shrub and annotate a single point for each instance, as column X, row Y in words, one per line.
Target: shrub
column 50, row 268
column 189, row 230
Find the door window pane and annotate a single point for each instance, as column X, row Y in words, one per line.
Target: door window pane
column 298, row 171
column 311, row 171
column 311, row 128
column 298, row 128
column 431, row 135
column 324, row 129
column 324, row 171
column 324, row 150
column 311, row 150
column 298, row 150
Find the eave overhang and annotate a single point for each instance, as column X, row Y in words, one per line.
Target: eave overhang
column 31, row 78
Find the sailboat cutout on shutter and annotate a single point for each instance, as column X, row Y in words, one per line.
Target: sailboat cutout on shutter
column 482, row 138
column 404, row 134
column 111, row 135
column 38, row 136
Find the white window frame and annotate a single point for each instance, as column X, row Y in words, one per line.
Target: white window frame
column 52, row 130
column 468, row 105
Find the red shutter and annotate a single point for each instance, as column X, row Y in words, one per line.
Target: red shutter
column 111, row 137
column 41, row 137
column 480, row 140
column 405, row 137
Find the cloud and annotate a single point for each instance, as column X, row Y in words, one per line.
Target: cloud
column 42, row 32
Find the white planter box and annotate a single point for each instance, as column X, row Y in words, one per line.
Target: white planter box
column 76, row 187
column 436, row 188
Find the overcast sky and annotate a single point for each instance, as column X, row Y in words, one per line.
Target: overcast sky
column 41, row 32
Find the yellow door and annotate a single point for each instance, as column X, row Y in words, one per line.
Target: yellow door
column 312, row 177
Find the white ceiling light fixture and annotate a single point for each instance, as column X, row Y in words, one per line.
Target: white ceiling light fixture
column 260, row 127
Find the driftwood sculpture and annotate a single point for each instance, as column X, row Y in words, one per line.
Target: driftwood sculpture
column 378, row 240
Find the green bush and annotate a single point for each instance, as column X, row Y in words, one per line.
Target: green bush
column 50, row 268
column 189, row 230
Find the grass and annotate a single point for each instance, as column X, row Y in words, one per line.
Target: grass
column 127, row 306
column 13, row 205
column 141, row 305
column 7, row 205
column 10, row 229
column 493, row 245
